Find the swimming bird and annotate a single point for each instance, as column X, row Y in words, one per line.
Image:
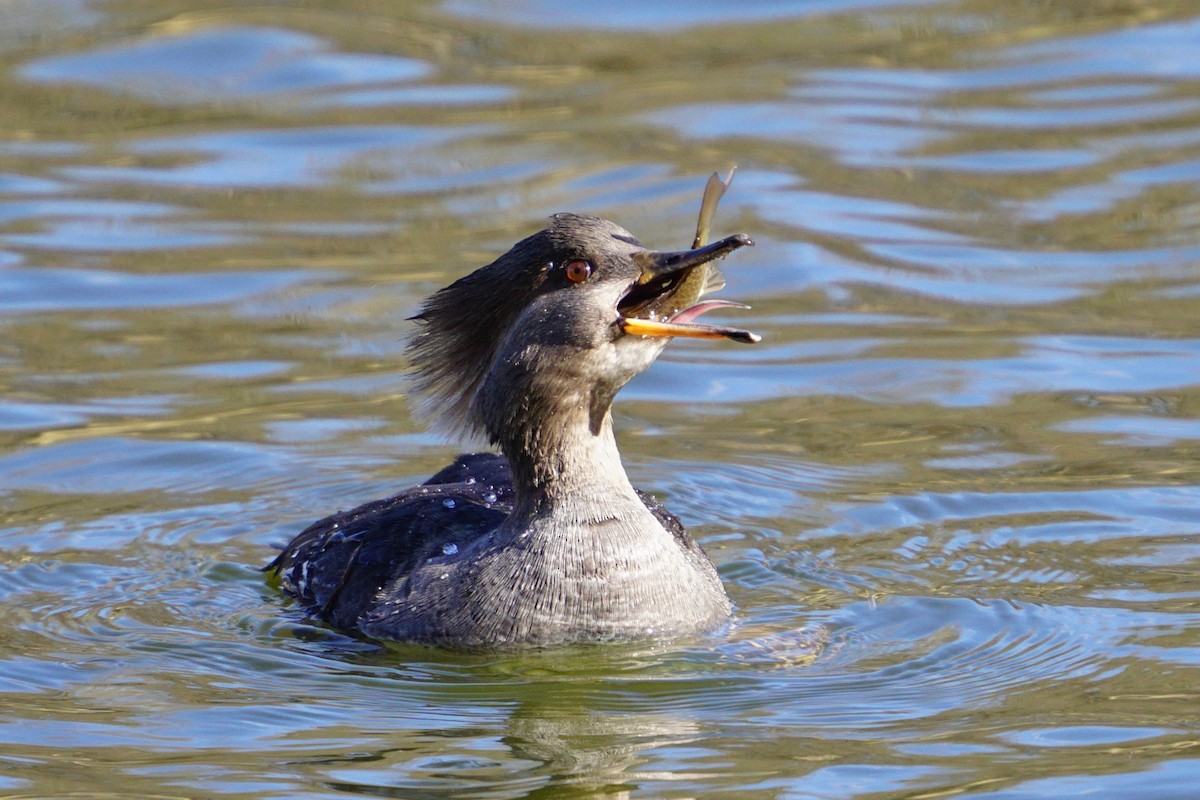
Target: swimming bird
column 546, row 543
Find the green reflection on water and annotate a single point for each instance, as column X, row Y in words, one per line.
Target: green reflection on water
column 952, row 493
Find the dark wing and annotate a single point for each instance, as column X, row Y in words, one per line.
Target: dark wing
column 672, row 523
column 336, row 566
column 483, row 468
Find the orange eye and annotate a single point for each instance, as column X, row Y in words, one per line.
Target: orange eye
column 577, row 271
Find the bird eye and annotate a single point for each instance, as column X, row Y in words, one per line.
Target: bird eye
column 577, row 271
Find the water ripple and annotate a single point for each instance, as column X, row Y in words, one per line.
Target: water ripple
column 39, row 289
column 268, row 158
column 253, row 63
column 952, row 494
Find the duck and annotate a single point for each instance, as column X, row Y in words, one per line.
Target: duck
column 545, row 542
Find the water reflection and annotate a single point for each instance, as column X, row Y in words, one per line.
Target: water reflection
column 189, row 63
column 260, row 159
column 952, row 493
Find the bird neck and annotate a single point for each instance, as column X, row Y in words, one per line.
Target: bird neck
column 568, row 467
column 550, row 416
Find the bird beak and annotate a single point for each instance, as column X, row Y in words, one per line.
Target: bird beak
column 664, row 265
column 665, row 278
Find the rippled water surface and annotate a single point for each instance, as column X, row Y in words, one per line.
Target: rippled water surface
column 954, row 493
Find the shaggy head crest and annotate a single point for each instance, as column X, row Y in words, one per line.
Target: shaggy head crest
column 461, row 327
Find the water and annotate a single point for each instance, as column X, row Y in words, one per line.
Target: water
column 954, row 492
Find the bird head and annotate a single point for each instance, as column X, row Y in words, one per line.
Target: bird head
column 562, row 320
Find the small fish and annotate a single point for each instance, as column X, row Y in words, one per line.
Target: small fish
column 714, row 190
column 707, row 277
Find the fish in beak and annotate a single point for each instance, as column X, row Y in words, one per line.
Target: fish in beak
column 662, row 301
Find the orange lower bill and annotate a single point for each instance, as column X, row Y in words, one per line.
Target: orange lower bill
column 649, row 327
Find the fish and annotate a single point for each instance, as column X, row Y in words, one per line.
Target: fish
column 684, row 305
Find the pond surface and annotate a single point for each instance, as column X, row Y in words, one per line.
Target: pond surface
column 954, row 493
